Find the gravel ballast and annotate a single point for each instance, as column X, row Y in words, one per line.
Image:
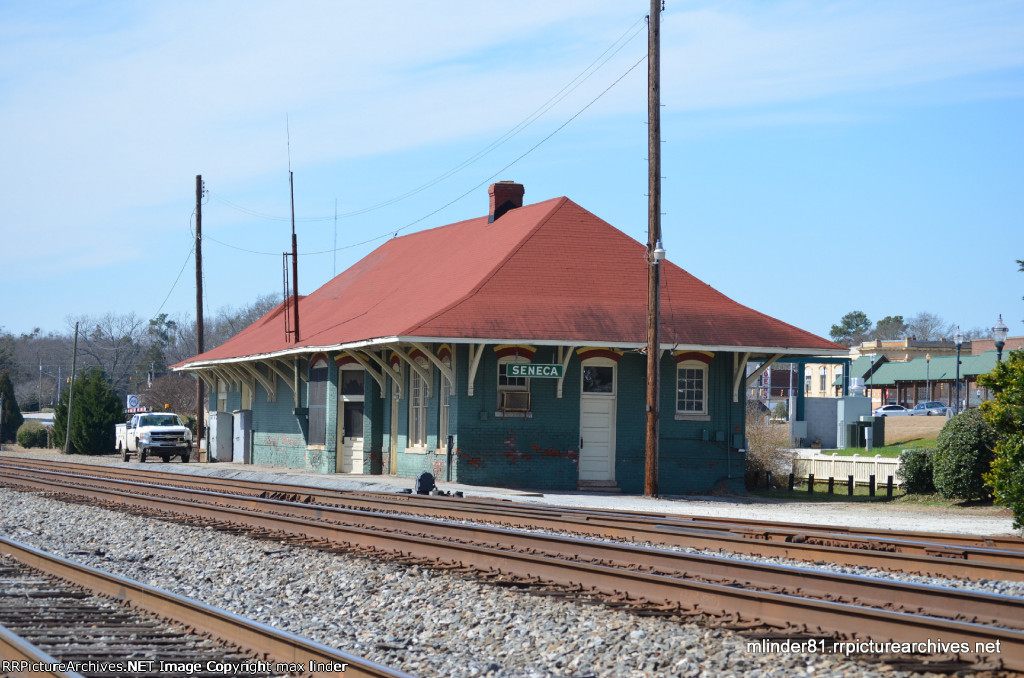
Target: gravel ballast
column 424, row 622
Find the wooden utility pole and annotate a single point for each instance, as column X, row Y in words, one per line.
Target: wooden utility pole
column 71, row 395
column 200, row 384
column 653, row 239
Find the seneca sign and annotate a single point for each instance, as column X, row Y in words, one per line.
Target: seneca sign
column 532, row 370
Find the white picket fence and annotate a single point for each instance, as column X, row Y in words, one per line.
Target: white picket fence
column 834, row 466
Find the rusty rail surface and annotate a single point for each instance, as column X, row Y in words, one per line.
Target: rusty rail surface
column 884, row 552
column 274, row 647
column 997, row 548
column 683, row 582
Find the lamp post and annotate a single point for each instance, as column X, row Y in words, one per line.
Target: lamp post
column 999, row 333
column 928, row 376
column 958, row 339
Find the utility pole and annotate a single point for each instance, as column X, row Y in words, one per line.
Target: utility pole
column 200, row 384
column 295, row 258
column 653, row 242
column 71, row 395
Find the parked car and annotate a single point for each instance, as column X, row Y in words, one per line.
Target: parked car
column 929, row 408
column 891, row 411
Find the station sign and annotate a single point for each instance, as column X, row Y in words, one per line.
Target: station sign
column 534, row 370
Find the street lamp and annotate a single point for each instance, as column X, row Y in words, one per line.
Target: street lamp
column 958, row 339
column 999, row 333
column 928, row 376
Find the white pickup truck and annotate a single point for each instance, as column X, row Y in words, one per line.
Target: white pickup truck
column 159, row 433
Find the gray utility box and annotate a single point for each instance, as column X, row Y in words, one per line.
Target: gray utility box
column 849, row 411
column 242, row 448
column 856, row 432
column 220, row 436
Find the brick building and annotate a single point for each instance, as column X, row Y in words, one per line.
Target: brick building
column 402, row 363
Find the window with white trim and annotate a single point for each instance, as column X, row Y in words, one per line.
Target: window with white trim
column 418, row 406
column 517, row 388
column 691, row 388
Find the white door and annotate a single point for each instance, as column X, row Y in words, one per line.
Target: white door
column 597, row 421
column 350, row 421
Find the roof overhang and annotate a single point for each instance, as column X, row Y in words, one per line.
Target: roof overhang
column 382, row 342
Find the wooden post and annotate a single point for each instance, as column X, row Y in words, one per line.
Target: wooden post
column 849, row 486
column 653, row 236
column 792, row 481
column 871, row 485
column 768, row 479
column 888, row 488
column 71, row 394
column 810, row 483
column 831, row 485
column 200, row 384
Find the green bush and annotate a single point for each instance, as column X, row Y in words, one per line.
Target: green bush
column 32, row 434
column 1005, row 413
column 917, row 467
column 963, row 455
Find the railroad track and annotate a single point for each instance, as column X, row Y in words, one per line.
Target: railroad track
column 761, row 597
column 61, row 618
column 923, row 553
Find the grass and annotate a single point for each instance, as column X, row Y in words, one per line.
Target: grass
column 891, row 451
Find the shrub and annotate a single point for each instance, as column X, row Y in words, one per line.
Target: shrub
column 1005, row 414
column 916, row 471
column 767, row 450
column 32, row 434
column 963, row 455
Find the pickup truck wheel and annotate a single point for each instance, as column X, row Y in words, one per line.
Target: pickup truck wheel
column 166, row 457
column 185, row 456
column 123, row 451
column 143, row 453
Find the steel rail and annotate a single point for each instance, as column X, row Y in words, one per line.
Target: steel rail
column 872, row 591
column 996, row 548
column 683, row 535
column 770, row 607
column 14, row 648
column 278, row 646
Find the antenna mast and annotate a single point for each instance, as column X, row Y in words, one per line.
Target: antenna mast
column 294, row 330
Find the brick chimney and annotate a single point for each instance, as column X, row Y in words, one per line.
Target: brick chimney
column 505, row 196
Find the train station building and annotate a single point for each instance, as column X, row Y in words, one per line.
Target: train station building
column 506, row 350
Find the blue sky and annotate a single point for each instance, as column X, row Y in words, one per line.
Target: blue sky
column 819, row 157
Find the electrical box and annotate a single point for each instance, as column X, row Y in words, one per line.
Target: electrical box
column 242, row 439
column 220, row 424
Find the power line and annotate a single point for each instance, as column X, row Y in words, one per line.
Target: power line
column 451, row 202
column 188, row 258
column 593, row 67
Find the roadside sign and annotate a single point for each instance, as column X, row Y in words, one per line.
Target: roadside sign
column 534, row 370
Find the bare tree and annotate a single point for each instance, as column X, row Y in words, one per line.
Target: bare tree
column 175, row 392
column 929, row 327
column 114, row 343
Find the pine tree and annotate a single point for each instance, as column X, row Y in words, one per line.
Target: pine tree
column 10, row 417
column 97, row 411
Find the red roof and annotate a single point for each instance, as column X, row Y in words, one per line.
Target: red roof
column 551, row 272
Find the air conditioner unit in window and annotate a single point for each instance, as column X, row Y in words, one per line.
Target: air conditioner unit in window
column 515, row 401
